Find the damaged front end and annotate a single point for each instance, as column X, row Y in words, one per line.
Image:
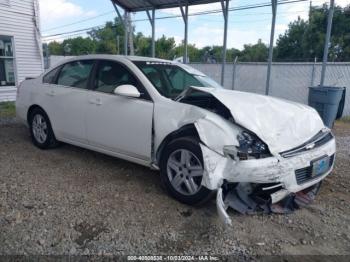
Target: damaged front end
column 259, row 158
column 248, row 198
column 273, row 184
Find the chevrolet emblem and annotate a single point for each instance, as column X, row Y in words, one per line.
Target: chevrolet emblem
column 310, row 146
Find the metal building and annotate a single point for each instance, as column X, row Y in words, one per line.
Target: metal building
column 149, row 6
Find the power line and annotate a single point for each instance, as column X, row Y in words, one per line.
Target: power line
column 112, row 11
column 82, row 31
column 240, row 8
column 243, row 21
column 65, row 37
column 247, row 7
column 80, row 21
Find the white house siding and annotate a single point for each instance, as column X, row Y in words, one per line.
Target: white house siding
column 18, row 19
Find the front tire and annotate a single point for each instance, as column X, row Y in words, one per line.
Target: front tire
column 41, row 130
column 181, row 168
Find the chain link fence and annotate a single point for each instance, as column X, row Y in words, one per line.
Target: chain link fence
column 288, row 80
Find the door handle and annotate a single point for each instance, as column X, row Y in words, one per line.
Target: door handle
column 51, row 93
column 96, row 101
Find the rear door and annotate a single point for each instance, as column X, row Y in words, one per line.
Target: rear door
column 67, row 101
column 116, row 123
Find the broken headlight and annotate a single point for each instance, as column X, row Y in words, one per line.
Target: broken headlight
column 250, row 147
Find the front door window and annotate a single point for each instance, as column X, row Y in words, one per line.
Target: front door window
column 111, row 75
column 7, row 69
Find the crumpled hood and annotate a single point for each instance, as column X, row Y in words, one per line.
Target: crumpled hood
column 281, row 124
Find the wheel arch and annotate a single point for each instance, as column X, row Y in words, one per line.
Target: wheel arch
column 188, row 130
column 30, row 110
column 51, row 140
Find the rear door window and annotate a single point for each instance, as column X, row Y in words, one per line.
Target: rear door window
column 76, row 74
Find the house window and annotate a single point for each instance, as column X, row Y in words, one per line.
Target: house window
column 7, row 69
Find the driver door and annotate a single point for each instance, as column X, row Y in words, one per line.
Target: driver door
column 118, row 124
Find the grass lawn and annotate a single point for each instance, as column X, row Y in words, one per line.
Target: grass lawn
column 7, row 109
column 345, row 119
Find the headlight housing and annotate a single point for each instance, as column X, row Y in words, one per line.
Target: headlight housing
column 250, row 147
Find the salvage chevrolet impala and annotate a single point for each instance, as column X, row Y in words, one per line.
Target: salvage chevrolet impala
column 257, row 153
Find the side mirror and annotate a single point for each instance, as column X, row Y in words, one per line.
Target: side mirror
column 127, row 90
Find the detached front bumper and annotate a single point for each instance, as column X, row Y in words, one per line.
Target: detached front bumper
column 288, row 175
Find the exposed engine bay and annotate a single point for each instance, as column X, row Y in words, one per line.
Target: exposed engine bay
column 206, row 101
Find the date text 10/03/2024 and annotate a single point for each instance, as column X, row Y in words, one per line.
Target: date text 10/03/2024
column 173, row 258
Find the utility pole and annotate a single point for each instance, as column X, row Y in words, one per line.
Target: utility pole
column 224, row 6
column 272, row 37
column 131, row 35
column 125, row 32
column 153, row 33
column 184, row 13
column 151, row 18
column 234, row 72
column 327, row 41
column 124, row 22
column 313, row 72
column 118, row 45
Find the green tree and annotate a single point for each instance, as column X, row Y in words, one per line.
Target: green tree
column 164, row 47
column 143, row 45
column 106, row 38
column 232, row 54
column 254, row 53
column 192, row 51
column 213, row 54
column 80, row 45
column 293, row 44
column 304, row 40
column 55, row 48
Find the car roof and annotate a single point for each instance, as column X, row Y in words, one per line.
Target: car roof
column 147, row 59
column 124, row 58
column 119, row 57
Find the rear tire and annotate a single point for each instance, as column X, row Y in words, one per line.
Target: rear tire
column 41, row 130
column 181, row 168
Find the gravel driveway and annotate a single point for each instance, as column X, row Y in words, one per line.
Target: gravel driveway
column 74, row 201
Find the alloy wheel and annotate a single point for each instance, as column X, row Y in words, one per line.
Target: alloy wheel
column 185, row 172
column 39, row 128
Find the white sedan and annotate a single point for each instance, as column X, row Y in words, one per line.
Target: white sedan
column 258, row 153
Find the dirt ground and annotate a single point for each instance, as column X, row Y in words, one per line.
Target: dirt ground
column 74, row 201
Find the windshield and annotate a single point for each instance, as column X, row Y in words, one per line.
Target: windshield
column 170, row 80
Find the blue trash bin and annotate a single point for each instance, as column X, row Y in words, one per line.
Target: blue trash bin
column 326, row 101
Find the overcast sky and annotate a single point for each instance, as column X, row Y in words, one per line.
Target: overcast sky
column 245, row 27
